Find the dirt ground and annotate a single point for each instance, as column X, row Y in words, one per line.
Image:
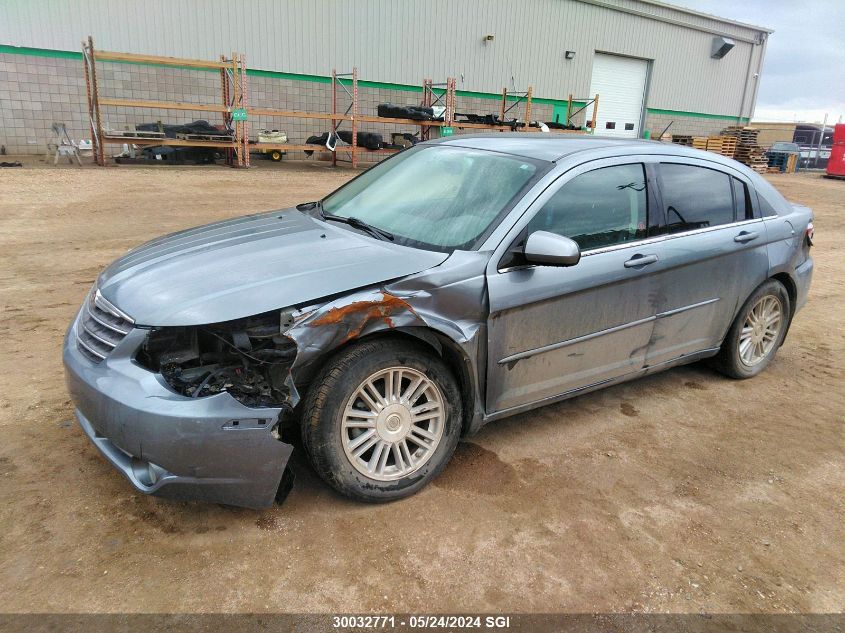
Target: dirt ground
column 681, row 492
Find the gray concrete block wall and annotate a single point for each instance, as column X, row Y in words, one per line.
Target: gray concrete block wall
column 686, row 125
column 36, row 91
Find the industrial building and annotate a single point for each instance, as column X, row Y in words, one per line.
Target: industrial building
column 651, row 63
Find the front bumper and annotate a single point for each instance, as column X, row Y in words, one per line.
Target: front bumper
column 212, row 449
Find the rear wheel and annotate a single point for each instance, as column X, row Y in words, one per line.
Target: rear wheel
column 276, row 155
column 382, row 419
column 756, row 333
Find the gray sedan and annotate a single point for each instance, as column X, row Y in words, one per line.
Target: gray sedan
column 458, row 282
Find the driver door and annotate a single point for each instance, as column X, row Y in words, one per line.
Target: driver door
column 556, row 330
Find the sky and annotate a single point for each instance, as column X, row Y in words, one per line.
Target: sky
column 804, row 70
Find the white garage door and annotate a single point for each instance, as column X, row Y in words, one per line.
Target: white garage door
column 620, row 84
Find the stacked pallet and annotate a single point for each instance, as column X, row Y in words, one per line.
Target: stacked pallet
column 699, row 142
column 724, row 145
column 781, row 162
column 748, row 151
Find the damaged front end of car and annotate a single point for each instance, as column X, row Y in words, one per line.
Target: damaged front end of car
column 188, row 383
column 206, row 410
column 190, row 412
column 249, row 358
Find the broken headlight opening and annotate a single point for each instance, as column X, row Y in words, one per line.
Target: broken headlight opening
column 249, row 358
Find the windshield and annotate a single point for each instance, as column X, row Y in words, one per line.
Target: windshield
column 436, row 197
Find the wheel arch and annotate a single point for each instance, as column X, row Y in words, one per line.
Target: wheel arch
column 791, row 291
column 447, row 349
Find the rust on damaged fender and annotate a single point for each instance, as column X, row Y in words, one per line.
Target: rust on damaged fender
column 356, row 315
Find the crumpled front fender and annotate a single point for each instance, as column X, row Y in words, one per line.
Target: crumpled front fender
column 449, row 302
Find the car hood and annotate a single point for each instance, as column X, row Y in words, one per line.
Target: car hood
column 249, row 265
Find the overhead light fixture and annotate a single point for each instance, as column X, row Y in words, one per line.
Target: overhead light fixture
column 488, row 38
column 721, row 47
column 569, row 54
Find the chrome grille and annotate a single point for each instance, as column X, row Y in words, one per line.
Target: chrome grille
column 101, row 327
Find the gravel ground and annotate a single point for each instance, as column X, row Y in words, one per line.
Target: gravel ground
column 680, row 492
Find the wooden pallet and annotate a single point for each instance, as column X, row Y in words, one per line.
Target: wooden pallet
column 723, row 145
column 747, row 150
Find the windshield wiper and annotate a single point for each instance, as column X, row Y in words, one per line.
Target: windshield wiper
column 355, row 223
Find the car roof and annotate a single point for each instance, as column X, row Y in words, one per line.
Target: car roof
column 553, row 146
column 539, row 146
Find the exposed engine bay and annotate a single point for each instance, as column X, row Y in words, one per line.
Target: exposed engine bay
column 249, row 358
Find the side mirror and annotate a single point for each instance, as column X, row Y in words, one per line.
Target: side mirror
column 551, row 249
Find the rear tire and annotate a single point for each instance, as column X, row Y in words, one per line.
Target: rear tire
column 382, row 419
column 756, row 333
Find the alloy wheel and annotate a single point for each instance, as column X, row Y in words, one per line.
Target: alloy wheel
column 393, row 423
column 761, row 330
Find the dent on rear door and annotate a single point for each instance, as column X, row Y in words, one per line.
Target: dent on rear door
column 704, row 280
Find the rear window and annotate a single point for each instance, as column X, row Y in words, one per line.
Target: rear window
column 695, row 197
column 766, row 209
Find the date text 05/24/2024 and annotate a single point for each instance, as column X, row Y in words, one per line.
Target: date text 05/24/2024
column 486, row 622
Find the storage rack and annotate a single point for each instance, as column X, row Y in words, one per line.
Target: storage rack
column 588, row 101
column 351, row 114
column 233, row 91
column 431, row 99
column 233, row 96
column 334, row 116
column 352, row 107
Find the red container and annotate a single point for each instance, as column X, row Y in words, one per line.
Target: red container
column 836, row 164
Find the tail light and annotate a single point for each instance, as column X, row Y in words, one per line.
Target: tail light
column 809, row 233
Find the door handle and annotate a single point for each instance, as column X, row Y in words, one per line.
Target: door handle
column 745, row 236
column 640, row 260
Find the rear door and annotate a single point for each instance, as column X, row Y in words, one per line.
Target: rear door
column 713, row 256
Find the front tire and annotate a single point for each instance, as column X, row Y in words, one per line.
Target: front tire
column 756, row 333
column 382, row 419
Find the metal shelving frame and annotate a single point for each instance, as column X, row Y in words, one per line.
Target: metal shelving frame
column 233, row 95
column 588, row 101
column 345, row 86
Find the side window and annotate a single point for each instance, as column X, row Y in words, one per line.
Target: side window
column 695, row 197
column 766, row 209
column 599, row 208
column 742, row 201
